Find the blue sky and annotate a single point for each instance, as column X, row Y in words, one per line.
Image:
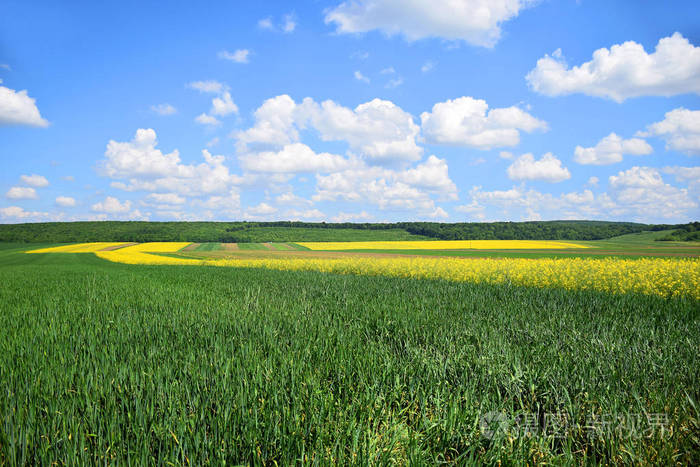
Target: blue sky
column 365, row 110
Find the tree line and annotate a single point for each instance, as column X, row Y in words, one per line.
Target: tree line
column 239, row 232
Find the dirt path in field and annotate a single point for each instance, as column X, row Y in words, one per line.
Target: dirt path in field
column 269, row 246
column 251, row 254
column 117, row 247
column 229, row 246
column 191, row 247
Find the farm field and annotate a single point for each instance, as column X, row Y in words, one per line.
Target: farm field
column 189, row 362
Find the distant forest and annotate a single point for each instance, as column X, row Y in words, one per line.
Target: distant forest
column 684, row 233
column 243, row 232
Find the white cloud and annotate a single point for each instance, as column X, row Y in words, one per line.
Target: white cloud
column 397, row 190
column 507, row 155
column 111, row 205
column 17, row 108
column 210, row 87
column 548, row 169
column 146, row 168
column 164, row 109
column 291, row 199
column 34, row 180
column 468, row 122
column 432, row 175
column 477, row 22
column 223, row 105
column 16, row 212
column 684, row 174
column 266, row 23
column 139, row 157
column 680, row 129
column 205, row 119
column 5, row 66
column 68, row 178
column 165, row 198
column 593, row 181
column 427, row 66
column 262, row 209
column 394, row 83
column 623, row 71
column 65, row 201
column 289, row 24
column 239, row 56
column 377, row 130
column 360, row 77
column 293, row 158
column 21, row 192
column 388, row 71
column 274, row 124
column 610, row 150
column 643, row 191
column 352, row 217
column 308, row 214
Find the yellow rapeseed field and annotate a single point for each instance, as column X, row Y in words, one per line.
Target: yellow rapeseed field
column 442, row 245
column 141, row 254
column 654, row 276
column 79, row 247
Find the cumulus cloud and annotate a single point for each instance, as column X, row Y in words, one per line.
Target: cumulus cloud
column 477, row 22
column 469, row 122
column 65, row 201
column 292, row 158
column 17, row 108
column 223, row 105
column 275, row 125
column 397, row 190
column 164, row 109
column 377, row 130
column 261, row 210
column 34, row 180
column 205, row 119
column 239, row 56
column 432, row 175
column 548, row 169
column 111, row 205
column 623, row 71
column 210, row 87
column 610, row 150
column 308, row 214
column 352, row 216
column 266, row 23
column 21, row 192
column 165, row 198
column 16, row 212
column 360, row 77
column 146, row 168
column 643, row 190
column 680, row 129
column 289, row 23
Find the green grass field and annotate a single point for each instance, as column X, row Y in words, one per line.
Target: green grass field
column 109, row 363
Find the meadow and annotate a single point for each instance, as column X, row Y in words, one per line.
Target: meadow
column 194, row 363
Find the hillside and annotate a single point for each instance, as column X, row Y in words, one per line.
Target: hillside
column 245, row 232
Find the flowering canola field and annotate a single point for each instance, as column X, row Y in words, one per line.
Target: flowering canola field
column 653, row 276
column 79, row 247
column 442, row 245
